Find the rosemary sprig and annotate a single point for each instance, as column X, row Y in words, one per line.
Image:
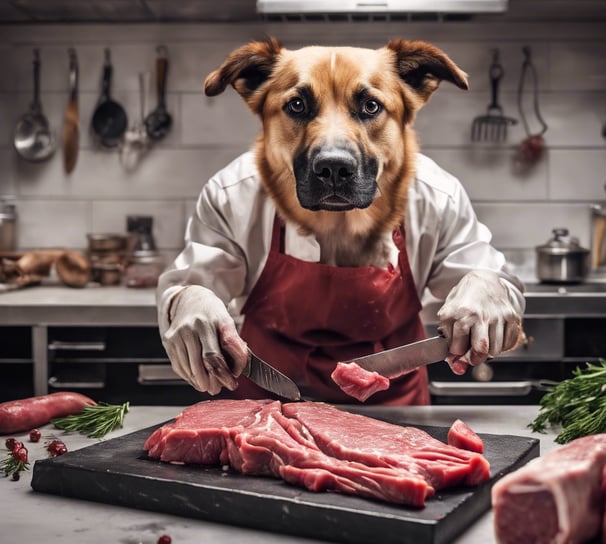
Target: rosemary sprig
column 577, row 404
column 94, row 421
column 10, row 465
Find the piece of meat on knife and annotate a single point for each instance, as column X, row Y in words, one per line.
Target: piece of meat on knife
column 373, row 442
column 357, row 382
column 554, row 499
column 252, row 437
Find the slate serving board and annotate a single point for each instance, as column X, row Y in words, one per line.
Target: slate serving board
column 118, row 472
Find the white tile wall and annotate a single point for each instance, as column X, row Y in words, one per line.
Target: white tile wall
column 56, row 209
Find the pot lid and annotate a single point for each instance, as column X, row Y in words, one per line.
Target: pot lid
column 561, row 243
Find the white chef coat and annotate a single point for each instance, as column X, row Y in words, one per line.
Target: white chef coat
column 227, row 239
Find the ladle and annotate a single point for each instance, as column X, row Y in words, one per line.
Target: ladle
column 34, row 139
column 159, row 121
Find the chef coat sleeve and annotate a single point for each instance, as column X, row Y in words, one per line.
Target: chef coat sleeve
column 211, row 256
column 461, row 244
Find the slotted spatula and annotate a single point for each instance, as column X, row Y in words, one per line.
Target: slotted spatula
column 492, row 127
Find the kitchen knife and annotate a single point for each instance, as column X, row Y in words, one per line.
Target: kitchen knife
column 394, row 362
column 269, row 378
column 71, row 123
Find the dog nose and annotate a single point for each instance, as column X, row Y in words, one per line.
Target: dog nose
column 334, row 166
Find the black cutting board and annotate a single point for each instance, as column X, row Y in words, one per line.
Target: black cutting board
column 118, row 472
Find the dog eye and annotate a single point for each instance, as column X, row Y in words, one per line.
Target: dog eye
column 371, row 107
column 296, row 106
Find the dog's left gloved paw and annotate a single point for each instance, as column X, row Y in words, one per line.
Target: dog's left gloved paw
column 478, row 320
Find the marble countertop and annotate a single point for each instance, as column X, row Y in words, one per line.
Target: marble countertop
column 28, row 516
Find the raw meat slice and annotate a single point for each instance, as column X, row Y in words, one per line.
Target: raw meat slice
column 377, row 443
column 269, row 438
column 554, row 499
column 462, row 436
column 357, row 382
column 251, row 437
column 199, row 433
column 267, row 448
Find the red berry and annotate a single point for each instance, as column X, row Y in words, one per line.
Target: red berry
column 56, row 447
column 20, row 454
column 165, row 539
column 34, row 435
column 10, row 443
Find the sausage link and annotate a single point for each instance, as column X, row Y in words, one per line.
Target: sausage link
column 26, row 414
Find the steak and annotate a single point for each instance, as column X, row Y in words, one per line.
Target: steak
column 553, row 499
column 354, row 437
column 300, row 443
column 357, row 382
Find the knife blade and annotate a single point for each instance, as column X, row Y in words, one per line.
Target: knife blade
column 394, row 362
column 269, row 378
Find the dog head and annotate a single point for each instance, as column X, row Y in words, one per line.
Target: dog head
column 336, row 151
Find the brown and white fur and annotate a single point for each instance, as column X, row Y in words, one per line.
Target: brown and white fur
column 336, row 152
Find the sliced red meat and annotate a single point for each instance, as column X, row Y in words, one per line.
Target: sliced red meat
column 461, row 435
column 269, row 438
column 553, row 499
column 268, row 448
column 357, row 382
column 377, row 443
column 200, row 433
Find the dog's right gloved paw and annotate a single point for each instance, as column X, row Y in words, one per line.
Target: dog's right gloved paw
column 200, row 336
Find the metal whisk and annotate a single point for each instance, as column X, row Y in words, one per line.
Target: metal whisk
column 492, row 127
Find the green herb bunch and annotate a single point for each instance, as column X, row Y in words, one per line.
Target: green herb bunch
column 578, row 404
column 94, row 421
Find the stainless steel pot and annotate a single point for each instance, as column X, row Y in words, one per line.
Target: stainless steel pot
column 562, row 259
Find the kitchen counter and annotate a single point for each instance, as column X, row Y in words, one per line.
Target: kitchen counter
column 51, row 304
column 28, row 516
column 91, row 305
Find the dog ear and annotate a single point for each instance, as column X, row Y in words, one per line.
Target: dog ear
column 422, row 66
column 246, row 68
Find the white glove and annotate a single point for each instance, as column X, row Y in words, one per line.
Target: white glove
column 478, row 320
column 200, row 337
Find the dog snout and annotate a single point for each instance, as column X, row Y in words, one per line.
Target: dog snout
column 335, row 167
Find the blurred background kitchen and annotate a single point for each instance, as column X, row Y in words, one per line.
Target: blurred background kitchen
column 137, row 189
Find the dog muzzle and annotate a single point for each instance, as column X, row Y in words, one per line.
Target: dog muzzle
column 335, row 179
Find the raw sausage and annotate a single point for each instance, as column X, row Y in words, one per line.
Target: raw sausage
column 26, row 414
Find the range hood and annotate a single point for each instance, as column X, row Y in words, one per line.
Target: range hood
column 354, row 7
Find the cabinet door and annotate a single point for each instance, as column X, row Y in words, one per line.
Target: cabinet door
column 16, row 363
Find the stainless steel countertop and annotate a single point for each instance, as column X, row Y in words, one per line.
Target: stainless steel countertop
column 28, row 516
column 97, row 305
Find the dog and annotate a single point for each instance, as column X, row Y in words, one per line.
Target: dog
column 337, row 149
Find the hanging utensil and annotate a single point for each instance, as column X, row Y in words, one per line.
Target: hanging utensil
column 71, row 124
column 136, row 141
column 159, row 121
column 532, row 148
column 34, row 139
column 109, row 119
column 492, row 127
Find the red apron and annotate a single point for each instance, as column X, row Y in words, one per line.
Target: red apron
column 303, row 318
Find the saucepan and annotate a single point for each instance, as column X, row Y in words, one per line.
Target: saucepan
column 109, row 120
column 562, row 259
